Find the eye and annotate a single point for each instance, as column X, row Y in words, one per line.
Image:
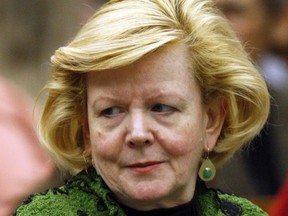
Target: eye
column 111, row 111
column 162, row 108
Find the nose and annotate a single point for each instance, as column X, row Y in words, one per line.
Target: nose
column 139, row 131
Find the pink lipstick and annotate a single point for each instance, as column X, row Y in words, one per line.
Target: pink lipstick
column 144, row 168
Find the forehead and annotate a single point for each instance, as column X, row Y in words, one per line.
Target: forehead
column 164, row 64
column 164, row 76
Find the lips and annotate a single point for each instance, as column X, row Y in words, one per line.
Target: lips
column 146, row 167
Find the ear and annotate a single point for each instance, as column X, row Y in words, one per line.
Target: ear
column 216, row 113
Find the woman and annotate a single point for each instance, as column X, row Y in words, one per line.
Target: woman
column 148, row 92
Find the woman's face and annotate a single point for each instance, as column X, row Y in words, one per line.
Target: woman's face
column 148, row 129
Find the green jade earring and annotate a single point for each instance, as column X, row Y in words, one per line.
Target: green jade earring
column 207, row 169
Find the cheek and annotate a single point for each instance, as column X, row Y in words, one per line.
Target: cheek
column 182, row 142
column 104, row 147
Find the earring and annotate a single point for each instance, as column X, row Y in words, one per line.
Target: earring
column 207, row 169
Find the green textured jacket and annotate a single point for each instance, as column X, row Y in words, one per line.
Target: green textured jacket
column 86, row 194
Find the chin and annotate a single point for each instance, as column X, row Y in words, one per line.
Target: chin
column 148, row 196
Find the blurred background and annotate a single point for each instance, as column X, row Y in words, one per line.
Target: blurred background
column 31, row 30
column 258, row 172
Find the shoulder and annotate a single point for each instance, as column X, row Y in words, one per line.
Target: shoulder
column 76, row 196
column 234, row 205
column 209, row 201
column 84, row 194
column 71, row 199
column 51, row 202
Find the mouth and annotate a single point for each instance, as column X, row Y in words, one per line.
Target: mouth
column 146, row 167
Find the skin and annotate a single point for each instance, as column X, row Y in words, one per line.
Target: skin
column 148, row 129
column 251, row 21
column 25, row 167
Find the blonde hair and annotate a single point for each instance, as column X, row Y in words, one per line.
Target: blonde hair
column 122, row 32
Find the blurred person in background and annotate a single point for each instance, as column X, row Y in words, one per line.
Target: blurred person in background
column 279, row 205
column 25, row 167
column 280, row 35
column 264, row 164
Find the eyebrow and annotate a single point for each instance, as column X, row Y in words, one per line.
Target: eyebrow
column 118, row 97
column 165, row 94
